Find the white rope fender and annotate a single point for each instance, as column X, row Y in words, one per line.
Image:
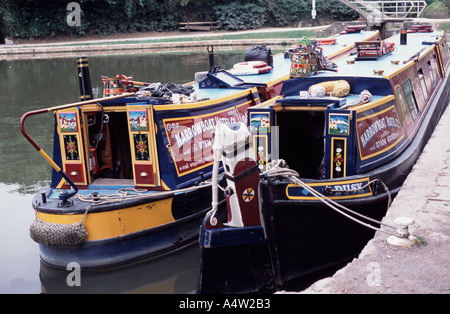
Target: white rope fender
column 217, row 153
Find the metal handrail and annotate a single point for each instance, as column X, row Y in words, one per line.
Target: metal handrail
column 62, row 196
column 387, row 9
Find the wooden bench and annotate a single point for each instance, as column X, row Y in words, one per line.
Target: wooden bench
column 197, row 26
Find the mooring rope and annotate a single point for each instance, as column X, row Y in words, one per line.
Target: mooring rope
column 279, row 168
column 128, row 194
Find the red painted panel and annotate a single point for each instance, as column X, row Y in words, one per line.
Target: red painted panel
column 75, row 172
column 144, row 174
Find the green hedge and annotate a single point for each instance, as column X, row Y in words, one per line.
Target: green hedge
column 47, row 18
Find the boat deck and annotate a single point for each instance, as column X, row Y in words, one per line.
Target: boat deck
column 360, row 75
column 282, row 65
column 364, row 68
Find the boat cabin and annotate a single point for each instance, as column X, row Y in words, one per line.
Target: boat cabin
column 143, row 142
column 370, row 112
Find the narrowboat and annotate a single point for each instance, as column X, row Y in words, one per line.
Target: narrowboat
column 313, row 172
column 131, row 171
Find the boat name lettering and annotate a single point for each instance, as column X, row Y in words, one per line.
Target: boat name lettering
column 198, row 128
column 191, row 138
column 377, row 126
column 378, row 132
column 348, row 187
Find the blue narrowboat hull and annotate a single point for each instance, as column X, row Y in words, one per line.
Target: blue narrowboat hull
column 363, row 163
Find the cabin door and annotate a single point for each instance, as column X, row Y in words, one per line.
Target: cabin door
column 144, row 156
column 71, row 143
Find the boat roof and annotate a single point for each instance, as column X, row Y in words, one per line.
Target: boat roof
column 282, row 65
column 364, row 68
column 360, row 75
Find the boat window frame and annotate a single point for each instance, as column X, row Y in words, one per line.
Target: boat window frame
column 410, row 97
column 438, row 66
column 402, row 101
column 431, row 70
column 423, row 84
column 444, row 51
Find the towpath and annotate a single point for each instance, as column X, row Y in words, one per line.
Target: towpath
column 418, row 269
column 144, row 43
column 150, row 42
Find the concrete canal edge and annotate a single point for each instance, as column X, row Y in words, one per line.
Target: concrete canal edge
column 139, row 47
column 145, row 44
column 418, row 269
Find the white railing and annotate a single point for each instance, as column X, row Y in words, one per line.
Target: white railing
column 387, row 10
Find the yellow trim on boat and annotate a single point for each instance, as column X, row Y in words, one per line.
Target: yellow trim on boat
column 49, row 160
column 120, row 222
column 164, row 185
column 238, row 94
column 268, row 103
column 374, row 103
column 278, row 80
column 61, row 183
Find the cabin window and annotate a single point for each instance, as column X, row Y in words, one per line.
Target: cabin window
column 402, row 102
column 422, row 83
column 431, row 70
column 410, row 98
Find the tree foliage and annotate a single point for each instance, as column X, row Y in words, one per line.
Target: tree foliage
column 437, row 9
column 48, row 18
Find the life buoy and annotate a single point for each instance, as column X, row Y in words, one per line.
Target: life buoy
column 250, row 68
column 390, row 46
column 123, row 79
column 250, row 65
column 250, row 71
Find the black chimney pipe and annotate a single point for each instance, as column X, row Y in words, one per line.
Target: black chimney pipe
column 84, row 79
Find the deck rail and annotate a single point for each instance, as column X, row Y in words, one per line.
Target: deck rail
column 66, row 195
column 386, row 10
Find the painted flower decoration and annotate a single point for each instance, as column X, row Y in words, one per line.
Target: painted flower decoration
column 338, row 160
column 71, row 147
column 141, row 147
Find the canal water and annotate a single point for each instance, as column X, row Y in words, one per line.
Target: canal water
column 39, row 83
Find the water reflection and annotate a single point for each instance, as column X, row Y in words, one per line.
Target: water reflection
column 19, row 257
column 39, row 83
column 173, row 273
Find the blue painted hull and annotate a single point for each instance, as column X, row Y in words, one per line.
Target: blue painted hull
column 302, row 234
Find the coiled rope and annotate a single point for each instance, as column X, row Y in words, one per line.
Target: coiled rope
column 279, row 168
